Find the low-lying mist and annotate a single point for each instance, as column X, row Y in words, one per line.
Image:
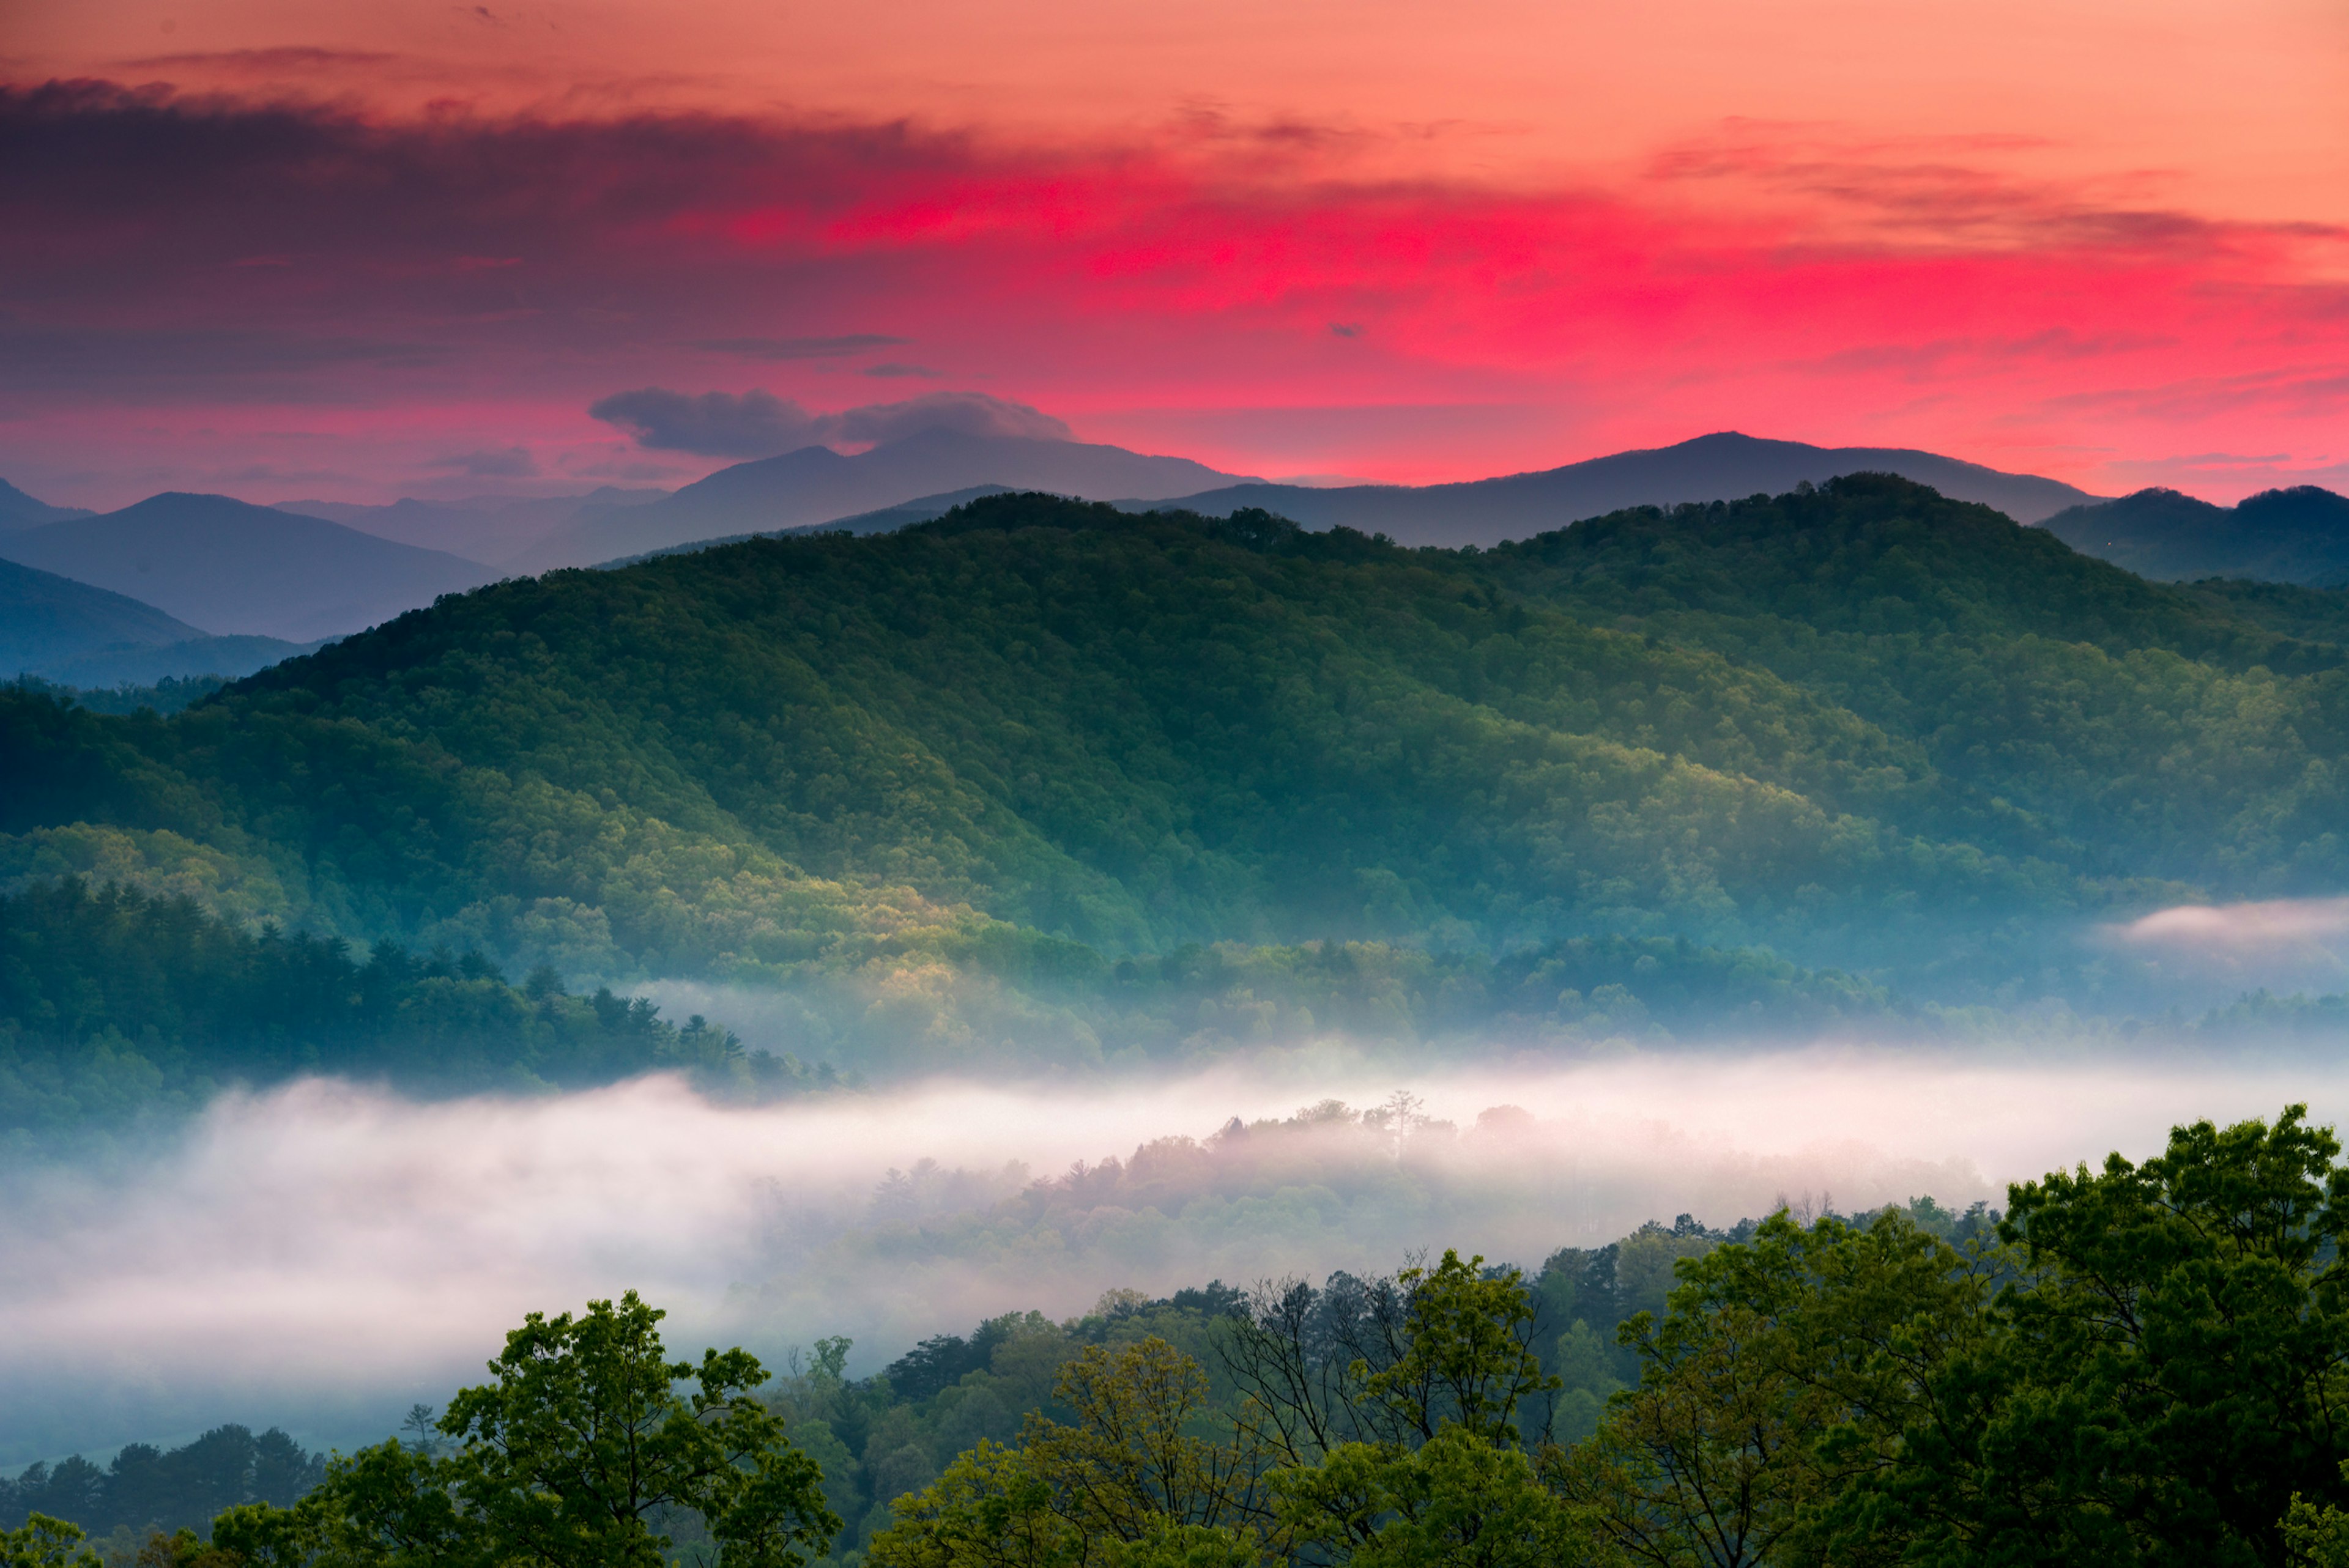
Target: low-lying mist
column 323, row 1255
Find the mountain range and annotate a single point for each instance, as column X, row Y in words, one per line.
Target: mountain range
column 243, row 570
column 489, row 530
column 1710, row 468
column 305, row 570
column 78, row 635
column 19, row 509
column 2298, row 535
column 1863, row 724
column 817, row 485
column 820, row 486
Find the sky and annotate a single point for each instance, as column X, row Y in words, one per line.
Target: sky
column 283, row 250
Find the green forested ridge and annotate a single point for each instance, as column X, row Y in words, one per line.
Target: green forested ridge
column 2314, row 614
column 144, row 1487
column 113, row 1002
column 169, row 695
column 2135, row 1365
column 1863, row 725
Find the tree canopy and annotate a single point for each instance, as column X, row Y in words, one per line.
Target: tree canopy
column 1853, row 720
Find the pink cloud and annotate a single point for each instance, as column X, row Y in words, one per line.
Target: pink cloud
column 471, row 280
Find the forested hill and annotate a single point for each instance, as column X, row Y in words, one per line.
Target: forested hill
column 1864, row 725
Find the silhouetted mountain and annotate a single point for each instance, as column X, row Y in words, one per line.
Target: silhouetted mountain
column 1723, row 467
column 486, row 529
column 2297, row 535
column 45, row 619
column 19, row 509
column 243, row 569
column 818, row 485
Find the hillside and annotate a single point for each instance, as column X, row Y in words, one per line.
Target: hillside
column 886, row 520
column 2298, row 535
column 78, row 635
column 1868, row 727
column 816, row 484
column 1723, row 466
column 484, row 529
column 19, row 509
column 2316, row 615
column 46, row 620
column 242, row 570
column 231, row 657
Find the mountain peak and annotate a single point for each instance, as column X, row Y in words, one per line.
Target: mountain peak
column 19, row 509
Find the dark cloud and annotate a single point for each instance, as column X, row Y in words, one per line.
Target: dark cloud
column 922, row 371
column 715, row 424
column 510, row 462
column 264, row 222
column 758, row 424
column 800, row 347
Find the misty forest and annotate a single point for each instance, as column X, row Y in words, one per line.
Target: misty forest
column 1047, row 796
column 2135, row 1364
column 1255, row 784
column 1042, row 785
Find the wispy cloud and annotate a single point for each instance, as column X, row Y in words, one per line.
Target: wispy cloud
column 2276, row 922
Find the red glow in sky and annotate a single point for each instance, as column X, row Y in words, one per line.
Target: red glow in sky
column 283, row 250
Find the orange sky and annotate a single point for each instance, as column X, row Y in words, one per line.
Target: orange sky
column 2100, row 240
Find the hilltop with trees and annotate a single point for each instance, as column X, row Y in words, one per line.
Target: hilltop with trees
column 1047, row 771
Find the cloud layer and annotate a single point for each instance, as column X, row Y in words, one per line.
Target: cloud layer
column 220, row 283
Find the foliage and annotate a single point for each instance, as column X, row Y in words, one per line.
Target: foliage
column 1863, row 720
column 1459, row 1500
column 2185, row 1345
column 2317, row 1536
column 2136, row 1366
column 1467, row 1356
column 1124, row 1481
column 112, row 1001
column 169, row 695
column 45, row 1542
column 2143, row 1370
column 144, row 1489
column 580, row 1452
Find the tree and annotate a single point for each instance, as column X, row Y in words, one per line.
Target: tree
column 1784, row 1376
column 420, row 1422
column 1457, row 1501
column 2182, row 1351
column 1438, row 1475
column 1469, row 1356
column 45, row 1542
column 580, row 1453
column 1128, row 1481
column 2317, row 1536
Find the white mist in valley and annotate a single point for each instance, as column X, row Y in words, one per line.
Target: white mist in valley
column 322, row 1254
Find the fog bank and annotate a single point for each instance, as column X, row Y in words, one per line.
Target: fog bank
column 322, row 1255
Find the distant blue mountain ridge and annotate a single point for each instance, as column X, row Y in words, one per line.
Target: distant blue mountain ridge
column 244, row 584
